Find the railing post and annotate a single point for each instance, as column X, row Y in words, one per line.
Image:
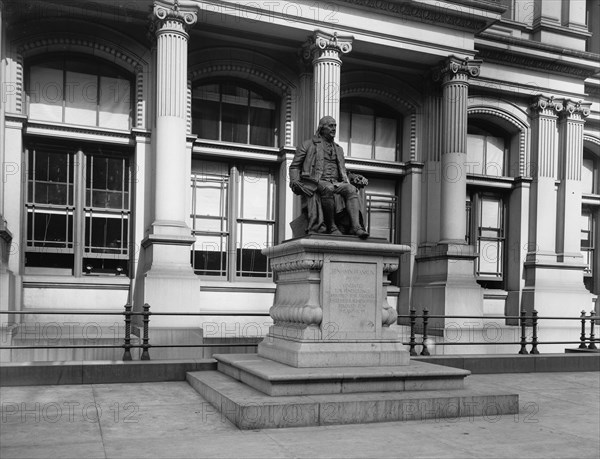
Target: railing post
column 425, row 351
column 523, row 349
column 592, row 344
column 145, row 345
column 582, row 338
column 127, row 340
column 413, row 321
column 534, row 338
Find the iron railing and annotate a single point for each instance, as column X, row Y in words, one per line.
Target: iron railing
column 532, row 321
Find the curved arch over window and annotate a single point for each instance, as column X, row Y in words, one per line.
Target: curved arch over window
column 234, row 111
column 488, row 149
column 370, row 130
column 79, row 89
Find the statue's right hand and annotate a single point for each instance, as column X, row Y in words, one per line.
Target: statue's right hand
column 295, row 186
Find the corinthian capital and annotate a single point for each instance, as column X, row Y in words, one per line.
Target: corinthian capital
column 321, row 42
column 455, row 68
column 173, row 16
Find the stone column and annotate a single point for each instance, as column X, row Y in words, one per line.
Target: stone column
column 325, row 50
column 169, row 283
column 445, row 280
column 454, row 75
column 570, row 157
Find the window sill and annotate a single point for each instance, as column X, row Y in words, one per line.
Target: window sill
column 69, row 281
column 238, row 287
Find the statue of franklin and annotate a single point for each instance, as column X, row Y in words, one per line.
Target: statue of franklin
column 318, row 173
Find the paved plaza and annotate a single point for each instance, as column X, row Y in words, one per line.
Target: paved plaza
column 559, row 417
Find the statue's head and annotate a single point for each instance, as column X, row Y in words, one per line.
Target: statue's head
column 327, row 127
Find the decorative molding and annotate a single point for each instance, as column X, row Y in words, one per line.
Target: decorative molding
column 575, row 109
column 296, row 265
column 554, row 65
column 430, row 13
column 591, row 139
column 547, row 106
column 522, row 128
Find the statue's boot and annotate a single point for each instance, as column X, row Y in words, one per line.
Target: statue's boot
column 353, row 209
column 328, row 206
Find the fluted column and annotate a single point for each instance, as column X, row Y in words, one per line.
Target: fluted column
column 542, row 237
column 570, row 154
column 171, row 117
column 454, row 75
column 325, row 50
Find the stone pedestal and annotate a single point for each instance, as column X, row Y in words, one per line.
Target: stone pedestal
column 330, row 357
column 330, row 307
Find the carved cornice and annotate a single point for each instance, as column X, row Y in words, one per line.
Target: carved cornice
column 454, row 67
column 430, row 13
column 554, row 65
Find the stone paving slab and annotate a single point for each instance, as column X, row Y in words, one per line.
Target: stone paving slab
column 559, row 417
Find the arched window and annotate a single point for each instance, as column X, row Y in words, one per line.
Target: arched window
column 488, row 162
column 487, row 150
column 233, row 111
column 368, row 130
column 79, row 90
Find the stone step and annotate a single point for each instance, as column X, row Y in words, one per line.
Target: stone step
column 249, row 408
column 277, row 379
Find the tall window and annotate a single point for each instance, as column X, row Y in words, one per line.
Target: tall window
column 369, row 131
column 232, row 112
column 486, row 230
column 233, row 219
column 79, row 91
column 78, row 209
column 590, row 218
column 382, row 208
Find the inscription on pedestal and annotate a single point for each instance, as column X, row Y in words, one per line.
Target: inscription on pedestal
column 352, row 298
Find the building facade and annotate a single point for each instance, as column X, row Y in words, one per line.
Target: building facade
column 145, row 147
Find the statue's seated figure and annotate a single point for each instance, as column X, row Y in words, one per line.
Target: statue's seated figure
column 331, row 200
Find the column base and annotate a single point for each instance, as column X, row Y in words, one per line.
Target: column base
column 446, row 284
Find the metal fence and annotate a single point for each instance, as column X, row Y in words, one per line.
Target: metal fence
column 586, row 342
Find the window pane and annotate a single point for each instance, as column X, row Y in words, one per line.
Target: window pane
column 52, row 180
column 107, row 182
column 261, row 122
column 81, row 98
column 115, row 103
column 381, row 208
column 46, row 228
column 475, row 150
column 494, row 156
column 46, row 92
column 490, row 212
column 385, row 142
column 587, row 176
column 256, row 194
column 252, row 238
column 106, row 233
column 234, row 123
column 362, row 135
column 490, row 258
column 209, row 255
column 344, row 131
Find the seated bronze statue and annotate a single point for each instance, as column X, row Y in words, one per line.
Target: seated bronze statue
column 331, row 200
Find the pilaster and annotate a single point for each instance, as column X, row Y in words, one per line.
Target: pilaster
column 554, row 267
column 325, row 50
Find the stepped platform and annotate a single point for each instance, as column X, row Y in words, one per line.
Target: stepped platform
column 256, row 393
